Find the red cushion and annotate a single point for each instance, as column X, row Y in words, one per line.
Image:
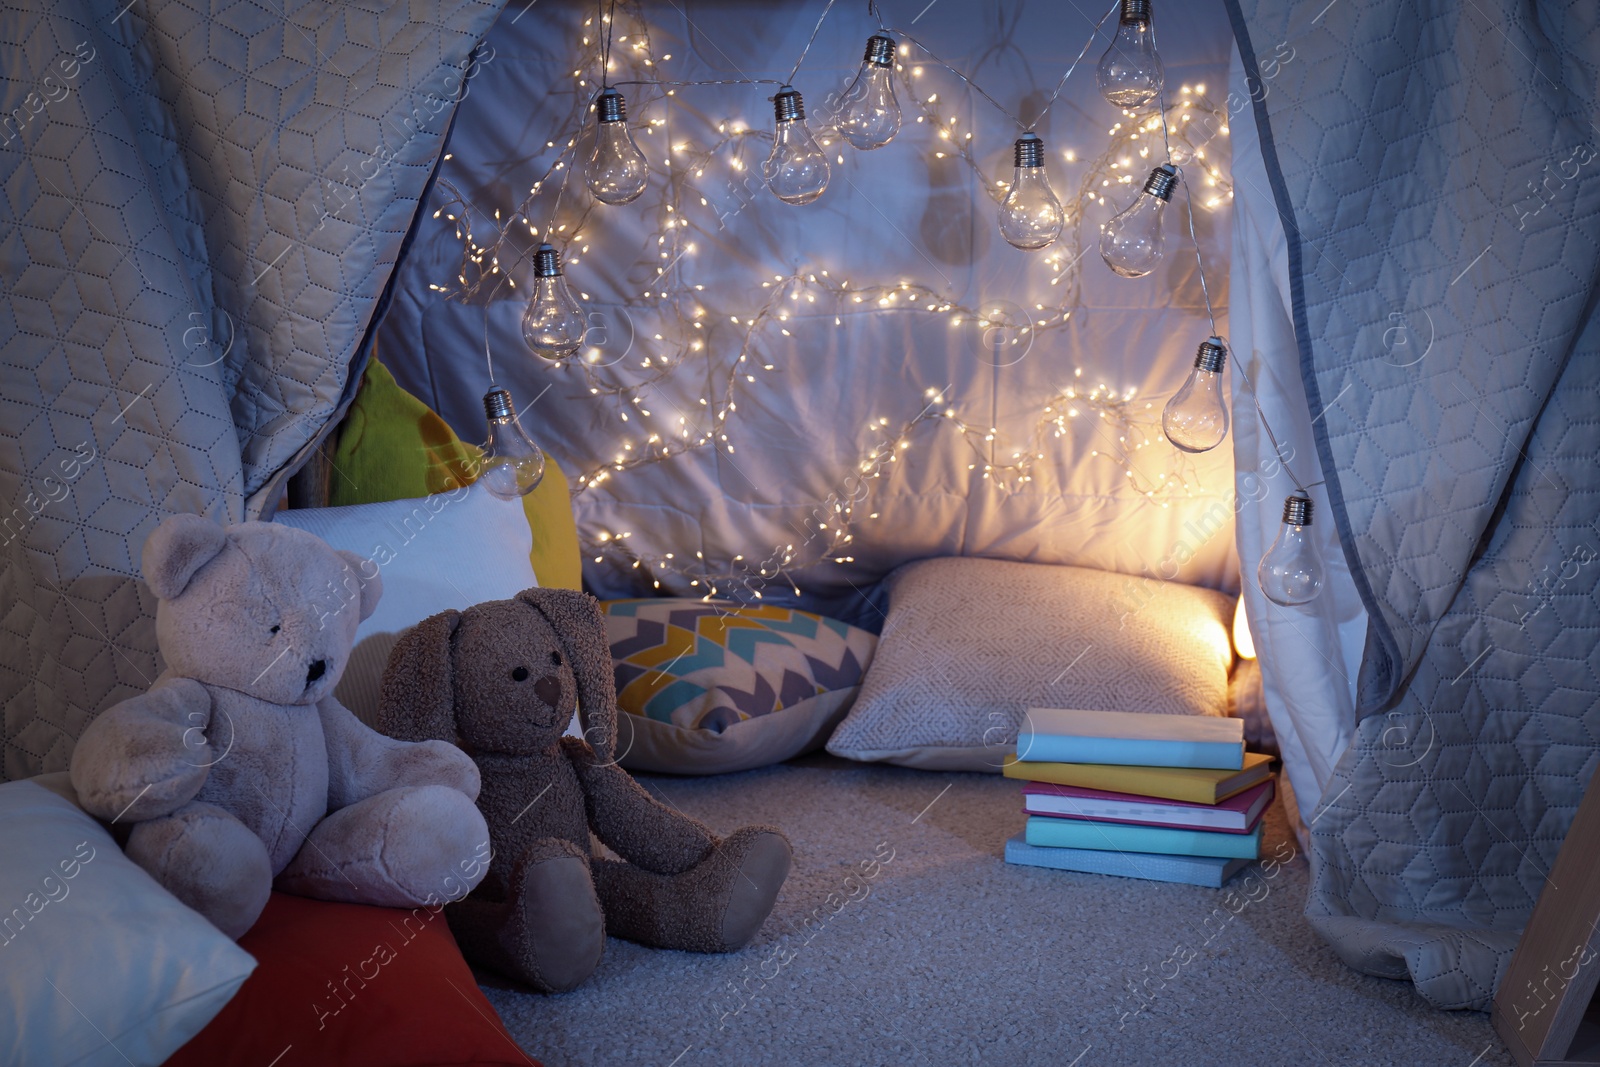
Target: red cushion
column 357, row 986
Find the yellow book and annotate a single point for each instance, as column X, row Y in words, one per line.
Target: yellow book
column 1194, row 784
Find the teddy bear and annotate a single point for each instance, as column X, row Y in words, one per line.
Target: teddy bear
column 238, row 771
column 502, row 680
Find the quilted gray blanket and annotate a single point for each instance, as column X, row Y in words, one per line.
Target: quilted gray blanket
column 1435, row 169
column 203, row 204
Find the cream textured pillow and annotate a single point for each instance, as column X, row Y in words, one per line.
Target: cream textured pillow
column 970, row 644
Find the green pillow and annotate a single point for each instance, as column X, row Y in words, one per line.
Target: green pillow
column 392, row 446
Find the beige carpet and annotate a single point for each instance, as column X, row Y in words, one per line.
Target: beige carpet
column 949, row 956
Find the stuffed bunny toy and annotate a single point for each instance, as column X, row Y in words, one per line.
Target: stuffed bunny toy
column 502, row 680
column 239, row 770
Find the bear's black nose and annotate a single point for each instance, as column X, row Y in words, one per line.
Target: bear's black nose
column 548, row 689
column 317, row 670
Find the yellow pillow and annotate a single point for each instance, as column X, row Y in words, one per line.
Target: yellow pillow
column 392, row 446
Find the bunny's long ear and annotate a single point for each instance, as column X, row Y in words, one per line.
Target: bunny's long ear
column 416, row 701
column 581, row 629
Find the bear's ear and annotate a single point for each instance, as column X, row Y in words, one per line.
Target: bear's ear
column 371, row 587
column 581, row 629
column 416, row 699
column 181, row 545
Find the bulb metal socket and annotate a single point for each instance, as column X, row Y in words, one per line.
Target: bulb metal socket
column 1161, row 181
column 1135, row 11
column 547, row 262
column 880, row 51
column 1213, row 355
column 497, row 404
column 1297, row 511
column 611, row 106
column 787, row 106
column 1029, row 151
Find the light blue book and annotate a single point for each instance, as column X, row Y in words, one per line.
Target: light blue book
column 1051, row 831
column 1131, row 739
column 1211, row 871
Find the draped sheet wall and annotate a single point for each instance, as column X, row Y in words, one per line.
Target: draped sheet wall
column 1416, row 258
column 202, row 205
column 800, row 432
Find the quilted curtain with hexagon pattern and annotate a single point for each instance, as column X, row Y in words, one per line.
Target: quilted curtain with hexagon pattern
column 202, row 206
column 1436, row 171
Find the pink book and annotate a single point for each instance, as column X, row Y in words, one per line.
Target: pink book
column 1236, row 815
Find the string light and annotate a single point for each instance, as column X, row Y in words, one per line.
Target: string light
column 1030, row 215
column 1196, row 418
column 1132, row 243
column 1291, row 572
column 1130, row 72
column 797, row 169
column 553, row 325
column 513, row 465
column 730, row 348
column 869, row 114
column 617, row 171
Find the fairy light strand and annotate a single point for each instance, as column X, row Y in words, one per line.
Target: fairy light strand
column 656, row 430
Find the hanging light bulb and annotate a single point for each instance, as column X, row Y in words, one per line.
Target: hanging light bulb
column 554, row 324
column 1131, row 244
column 1291, row 571
column 869, row 115
column 1030, row 215
column 1196, row 418
column 796, row 171
column 617, row 169
column 512, row 464
column 1130, row 73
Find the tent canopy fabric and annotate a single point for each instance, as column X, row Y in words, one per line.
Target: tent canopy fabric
column 1433, row 173
column 203, row 205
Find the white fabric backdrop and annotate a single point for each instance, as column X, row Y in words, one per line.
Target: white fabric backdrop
column 1309, row 654
column 891, row 215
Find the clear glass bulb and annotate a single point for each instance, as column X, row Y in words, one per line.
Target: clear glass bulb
column 554, row 324
column 1196, row 418
column 1030, row 215
column 1291, row 572
column 797, row 170
column 512, row 464
column 1130, row 72
column 1132, row 243
column 617, row 170
column 869, row 114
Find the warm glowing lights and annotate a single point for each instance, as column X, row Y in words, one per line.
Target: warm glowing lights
column 670, row 329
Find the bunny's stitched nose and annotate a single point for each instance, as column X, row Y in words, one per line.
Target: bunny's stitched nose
column 548, row 689
column 317, row 670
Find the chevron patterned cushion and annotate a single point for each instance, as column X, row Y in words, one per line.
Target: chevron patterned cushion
column 711, row 686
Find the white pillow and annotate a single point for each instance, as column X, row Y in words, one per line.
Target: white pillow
column 98, row 963
column 450, row 550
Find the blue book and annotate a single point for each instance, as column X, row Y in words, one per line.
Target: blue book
column 1210, row 871
column 1051, row 831
column 1131, row 739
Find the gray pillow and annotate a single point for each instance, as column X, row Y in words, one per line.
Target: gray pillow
column 971, row 644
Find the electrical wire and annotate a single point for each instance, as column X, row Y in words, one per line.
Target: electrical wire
column 814, row 31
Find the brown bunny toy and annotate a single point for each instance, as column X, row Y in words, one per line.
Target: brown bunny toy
column 501, row 680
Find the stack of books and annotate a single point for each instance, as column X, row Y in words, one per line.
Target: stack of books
column 1171, row 798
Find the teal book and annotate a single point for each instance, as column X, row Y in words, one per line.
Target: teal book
column 1131, row 739
column 1050, row 831
column 1210, row 871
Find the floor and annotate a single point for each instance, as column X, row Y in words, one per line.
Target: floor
column 942, row 954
